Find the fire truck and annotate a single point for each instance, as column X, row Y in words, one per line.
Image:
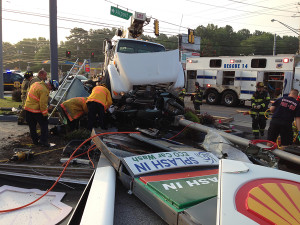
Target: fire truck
column 231, row 80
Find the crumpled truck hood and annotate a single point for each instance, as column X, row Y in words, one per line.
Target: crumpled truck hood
column 150, row 68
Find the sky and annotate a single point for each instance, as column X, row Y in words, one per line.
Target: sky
column 30, row 18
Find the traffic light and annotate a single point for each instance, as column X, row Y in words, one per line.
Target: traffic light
column 156, row 27
column 191, row 37
column 92, row 55
column 68, row 54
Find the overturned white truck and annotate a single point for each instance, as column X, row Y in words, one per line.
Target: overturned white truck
column 142, row 76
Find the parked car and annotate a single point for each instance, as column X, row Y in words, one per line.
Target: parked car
column 82, row 78
column 12, row 80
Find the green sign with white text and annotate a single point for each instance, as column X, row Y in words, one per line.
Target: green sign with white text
column 120, row 13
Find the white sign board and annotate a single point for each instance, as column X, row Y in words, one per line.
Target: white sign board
column 142, row 164
column 250, row 194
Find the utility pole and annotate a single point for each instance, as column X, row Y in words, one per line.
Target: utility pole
column 290, row 28
column 1, row 56
column 274, row 46
column 53, row 39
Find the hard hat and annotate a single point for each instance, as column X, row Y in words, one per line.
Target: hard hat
column 197, row 84
column 54, row 84
column 260, row 84
column 28, row 74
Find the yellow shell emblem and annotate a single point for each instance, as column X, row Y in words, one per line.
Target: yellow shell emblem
column 270, row 201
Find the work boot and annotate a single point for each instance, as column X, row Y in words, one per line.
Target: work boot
column 262, row 133
column 22, row 122
column 44, row 144
column 256, row 136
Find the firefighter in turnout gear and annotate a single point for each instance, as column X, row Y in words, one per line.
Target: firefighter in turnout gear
column 197, row 98
column 36, row 107
column 98, row 102
column 42, row 76
column 24, row 88
column 73, row 109
column 182, row 94
column 259, row 104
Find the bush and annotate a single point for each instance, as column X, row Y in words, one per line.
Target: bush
column 16, row 95
column 206, row 119
column 78, row 134
column 191, row 115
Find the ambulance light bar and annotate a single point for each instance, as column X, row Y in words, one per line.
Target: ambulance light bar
column 285, row 60
column 235, row 60
column 192, row 61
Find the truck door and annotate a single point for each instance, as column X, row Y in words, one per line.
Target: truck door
column 287, row 83
column 247, row 83
column 191, row 78
column 296, row 81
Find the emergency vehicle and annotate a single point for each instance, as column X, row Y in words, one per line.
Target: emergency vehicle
column 231, row 80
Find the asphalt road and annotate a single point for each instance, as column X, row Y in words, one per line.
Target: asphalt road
column 240, row 121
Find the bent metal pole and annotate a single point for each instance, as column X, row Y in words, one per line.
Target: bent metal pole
column 238, row 140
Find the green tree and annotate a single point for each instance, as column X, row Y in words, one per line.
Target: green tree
column 77, row 42
column 258, row 45
column 287, row 45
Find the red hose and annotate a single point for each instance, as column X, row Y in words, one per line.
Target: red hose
column 274, row 145
column 24, row 206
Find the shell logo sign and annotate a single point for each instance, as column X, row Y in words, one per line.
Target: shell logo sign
column 270, row 201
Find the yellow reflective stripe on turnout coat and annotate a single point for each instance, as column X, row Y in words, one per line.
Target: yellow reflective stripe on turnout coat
column 75, row 107
column 37, row 98
column 101, row 95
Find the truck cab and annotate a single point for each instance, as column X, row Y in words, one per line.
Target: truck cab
column 142, row 76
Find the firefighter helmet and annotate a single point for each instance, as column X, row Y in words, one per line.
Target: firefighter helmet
column 260, row 84
column 54, row 84
column 197, row 84
column 28, row 74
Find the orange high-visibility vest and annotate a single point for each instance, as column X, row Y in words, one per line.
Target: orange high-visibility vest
column 101, row 95
column 37, row 98
column 75, row 107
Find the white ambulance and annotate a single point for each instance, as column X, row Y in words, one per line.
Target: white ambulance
column 231, row 80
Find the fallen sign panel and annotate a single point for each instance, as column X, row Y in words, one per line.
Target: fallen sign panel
column 174, row 184
column 149, row 163
column 49, row 210
column 183, row 190
column 251, row 194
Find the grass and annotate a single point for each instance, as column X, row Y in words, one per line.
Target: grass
column 7, row 102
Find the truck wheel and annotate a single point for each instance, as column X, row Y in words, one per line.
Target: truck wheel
column 212, row 97
column 230, row 98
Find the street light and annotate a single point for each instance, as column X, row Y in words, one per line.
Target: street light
column 290, row 28
column 287, row 26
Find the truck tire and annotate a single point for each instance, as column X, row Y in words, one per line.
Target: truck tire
column 212, row 97
column 230, row 99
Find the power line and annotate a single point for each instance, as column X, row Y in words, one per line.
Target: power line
column 234, row 9
column 259, row 6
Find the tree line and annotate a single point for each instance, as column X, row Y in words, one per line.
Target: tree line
column 215, row 41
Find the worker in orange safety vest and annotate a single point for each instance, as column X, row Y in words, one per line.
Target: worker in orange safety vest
column 98, row 102
column 36, row 107
column 73, row 109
